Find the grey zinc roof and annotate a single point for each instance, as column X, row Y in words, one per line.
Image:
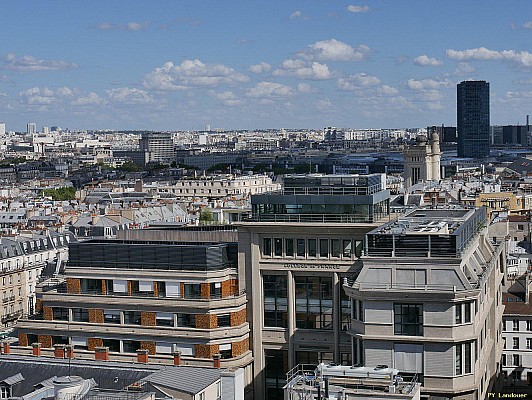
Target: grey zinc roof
column 185, row 379
column 13, row 379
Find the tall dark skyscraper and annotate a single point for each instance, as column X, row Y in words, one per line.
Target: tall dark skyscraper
column 473, row 119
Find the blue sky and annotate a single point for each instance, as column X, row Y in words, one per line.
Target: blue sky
column 179, row 65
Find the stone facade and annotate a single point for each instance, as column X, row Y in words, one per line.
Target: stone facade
column 96, row 316
column 94, row 342
column 73, row 285
column 148, row 318
column 206, row 350
column 239, row 348
column 150, row 346
column 206, row 321
column 238, row 317
column 48, row 313
column 45, row 341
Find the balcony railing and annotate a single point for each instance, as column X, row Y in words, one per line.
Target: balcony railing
column 313, row 218
column 11, row 316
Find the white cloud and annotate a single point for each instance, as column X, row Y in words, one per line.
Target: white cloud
column 357, row 9
column 305, row 88
column 30, row 63
column 303, row 70
column 127, row 95
column 324, row 104
column 136, row 26
column 357, row 81
column 104, row 26
column 227, row 98
column 260, row 68
column 296, row 14
column 426, row 61
column 270, row 89
column 424, row 84
column 334, row 50
column 522, row 58
column 527, row 25
column 191, row 73
column 91, row 99
column 129, row 26
column 387, row 90
column 45, row 96
column 464, row 68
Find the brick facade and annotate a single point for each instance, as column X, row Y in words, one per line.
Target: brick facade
column 95, row 316
column 226, row 288
column 150, row 346
column 45, row 341
column 129, row 288
column 148, row 318
column 92, row 343
column 104, row 287
column 206, row 321
column 48, row 313
column 38, row 305
column 238, row 317
column 23, row 339
column 73, row 285
column 155, row 289
column 239, row 348
column 206, row 350
column 205, row 291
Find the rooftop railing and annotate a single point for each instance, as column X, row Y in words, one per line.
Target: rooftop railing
column 327, row 191
column 313, row 218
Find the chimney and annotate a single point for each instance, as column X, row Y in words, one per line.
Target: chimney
column 101, row 353
column 7, row 348
column 95, row 219
column 216, row 360
column 59, row 351
column 69, row 351
column 177, row 358
column 36, row 349
column 142, row 356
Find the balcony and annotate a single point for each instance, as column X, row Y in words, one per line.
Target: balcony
column 11, row 317
column 312, row 218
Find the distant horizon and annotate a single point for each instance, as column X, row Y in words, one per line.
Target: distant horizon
column 178, row 66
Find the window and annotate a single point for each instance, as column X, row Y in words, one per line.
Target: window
column 408, row 319
column 335, row 248
column 224, row 320
column 312, row 248
column 346, row 248
column 289, row 247
column 301, row 247
column 60, row 313
column 458, row 314
column 275, row 300
column 278, row 247
column 5, row 392
column 314, row 302
column 467, row 357
column 80, row 315
column 111, row 316
column 345, row 316
column 516, row 360
column 132, row 317
column 529, row 325
column 164, row 319
column 324, row 248
column 516, row 324
column 186, row 320
column 504, row 360
column 226, row 351
column 467, row 313
column 276, row 367
column 529, row 343
column 267, row 247
column 515, row 343
column 216, row 290
column 192, row 290
column 458, row 359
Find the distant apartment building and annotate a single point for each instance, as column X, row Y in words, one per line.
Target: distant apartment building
column 473, row 119
column 159, row 147
column 160, row 296
column 300, row 244
column 22, row 262
column 427, row 301
column 422, row 160
column 31, row 128
column 221, row 186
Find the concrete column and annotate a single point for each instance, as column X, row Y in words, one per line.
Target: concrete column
column 336, row 316
column 291, row 311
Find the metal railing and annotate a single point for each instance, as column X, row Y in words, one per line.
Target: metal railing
column 329, row 191
column 318, row 218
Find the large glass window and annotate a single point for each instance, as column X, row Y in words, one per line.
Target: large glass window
column 314, row 302
column 276, row 368
column 192, row 291
column 164, row 319
column 80, row 315
column 301, row 247
column 275, row 300
column 267, row 246
column 289, row 247
column 111, row 316
column 458, row 359
column 312, row 247
column 113, row 344
column 186, row 320
column 324, row 248
column 347, row 248
column 408, row 319
column 278, row 247
column 131, row 346
column 132, row 317
column 91, row 286
column 345, row 304
column 335, row 248
column 60, row 313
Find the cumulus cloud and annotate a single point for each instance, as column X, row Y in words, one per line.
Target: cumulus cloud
column 464, row 68
column 305, row 88
column 357, row 9
column 334, row 50
column 357, row 81
column 521, row 58
column 303, row 69
column 260, row 68
column 426, row 61
column 227, row 98
column 424, row 84
column 30, row 63
column 270, row 89
column 191, row 73
column 45, row 96
column 91, row 99
column 527, row 25
column 387, row 90
column 125, row 95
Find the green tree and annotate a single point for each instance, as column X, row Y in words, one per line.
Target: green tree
column 206, row 216
column 59, row 194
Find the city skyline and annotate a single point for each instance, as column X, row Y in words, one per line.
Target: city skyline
column 247, row 65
